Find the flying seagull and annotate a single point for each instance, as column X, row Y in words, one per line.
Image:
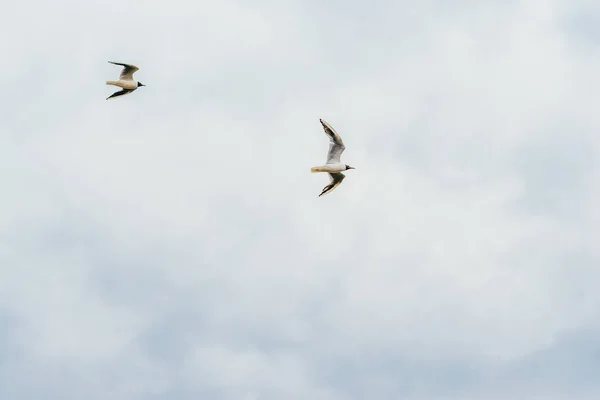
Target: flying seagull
column 126, row 81
column 333, row 166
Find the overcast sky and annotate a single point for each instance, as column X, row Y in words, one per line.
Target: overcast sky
column 171, row 245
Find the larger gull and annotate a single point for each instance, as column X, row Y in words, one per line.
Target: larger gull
column 333, row 166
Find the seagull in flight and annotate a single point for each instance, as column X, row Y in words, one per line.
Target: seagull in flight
column 126, row 81
column 333, row 166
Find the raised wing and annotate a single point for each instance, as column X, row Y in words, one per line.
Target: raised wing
column 119, row 93
column 336, row 179
column 128, row 70
column 336, row 146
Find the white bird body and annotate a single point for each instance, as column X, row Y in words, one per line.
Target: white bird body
column 125, row 84
column 339, row 167
column 126, row 81
column 334, row 166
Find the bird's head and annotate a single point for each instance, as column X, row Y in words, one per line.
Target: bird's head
column 140, row 84
column 349, row 167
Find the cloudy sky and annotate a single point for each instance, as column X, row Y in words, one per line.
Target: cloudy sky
column 170, row 244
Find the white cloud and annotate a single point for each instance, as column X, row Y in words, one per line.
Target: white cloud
column 174, row 238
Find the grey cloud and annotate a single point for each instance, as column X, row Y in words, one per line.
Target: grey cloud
column 172, row 245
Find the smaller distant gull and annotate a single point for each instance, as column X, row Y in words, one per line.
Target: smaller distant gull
column 333, row 166
column 125, row 81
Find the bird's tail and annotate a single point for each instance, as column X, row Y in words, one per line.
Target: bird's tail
column 114, row 83
column 317, row 169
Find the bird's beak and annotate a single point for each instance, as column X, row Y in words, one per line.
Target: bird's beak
column 351, row 167
column 141, row 84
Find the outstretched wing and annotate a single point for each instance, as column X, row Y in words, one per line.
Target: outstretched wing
column 119, row 93
column 336, row 146
column 128, row 70
column 336, row 179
